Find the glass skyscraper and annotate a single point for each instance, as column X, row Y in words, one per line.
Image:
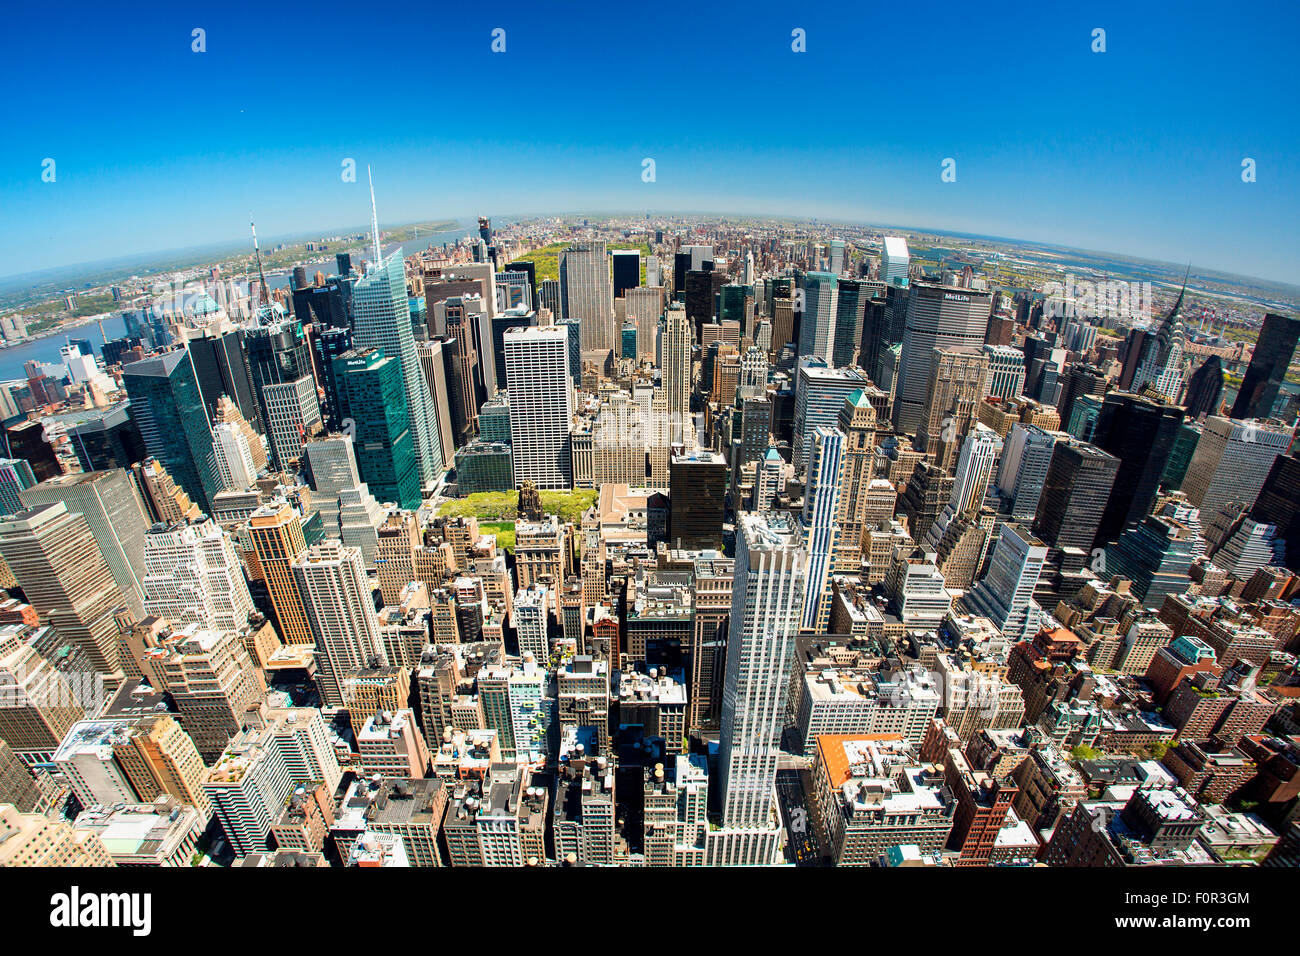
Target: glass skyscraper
column 167, row 405
column 373, row 402
column 383, row 321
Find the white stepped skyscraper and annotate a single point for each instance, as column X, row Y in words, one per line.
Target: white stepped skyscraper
column 193, row 575
column 766, row 602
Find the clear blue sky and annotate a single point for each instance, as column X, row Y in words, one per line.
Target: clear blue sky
column 1137, row 150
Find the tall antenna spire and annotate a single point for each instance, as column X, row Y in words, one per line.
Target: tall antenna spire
column 374, row 216
column 266, row 295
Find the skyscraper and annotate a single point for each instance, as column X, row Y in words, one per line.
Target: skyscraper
column 1006, row 371
column 15, row 475
column 280, row 363
column 112, row 510
column 541, row 405
column 383, row 320
column 767, row 599
column 857, row 422
column 1278, row 504
column 1075, row 493
column 1268, row 367
column 817, row 328
column 372, row 398
column 52, row 553
column 936, row 316
column 627, row 270
column 894, row 261
column 277, row 542
column 820, row 392
column 677, row 370
column 1140, row 432
column 1205, row 389
column 168, row 406
column 820, row 529
column 192, row 575
column 1026, row 458
column 340, row 609
column 1006, row 593
column 697, row 500
column 1231, row 461
column 586, row 293
column 435, row 374
column 957, row 384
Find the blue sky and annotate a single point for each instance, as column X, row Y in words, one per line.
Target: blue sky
column 1136, row 150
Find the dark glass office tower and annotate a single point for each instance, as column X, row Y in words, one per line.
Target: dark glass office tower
column 627, row 270
column 26, row 440
column 703, row 287
column 1279, row 504
column 854, row 296
column 875, row 332
column 1180, row 456
column 1136, row 345
column 734, row 302
column 109, row 440
column 1268, row 365
column 329, row 344
column 113, row 349
column 514, row 319
column 373, row 396
column 1081, row 379
column 1078, row 485
column 575, row 347
column 1205, row 389
column 681, row 266
column 324, row 306
column 697, row 500
column 459, row 393
column 168, row 408
column 1140, row 433
column 222, row 370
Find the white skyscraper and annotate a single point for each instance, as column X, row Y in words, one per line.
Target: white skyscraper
column 112, row 510
column 292, row 411
column 767, row 599
column 341, row 611
column 819, row 395
column 820, row 504
column 1006, row 594
column 817, row 327
column 234, row 456
column 383, row 320
column 894, row 261
column 1026, row 457
column 530, row 620
column 975, row 466
column 541, row 405
column 193, row 575
column 837, row 256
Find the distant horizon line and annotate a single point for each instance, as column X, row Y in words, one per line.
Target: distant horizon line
column 460, row 223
